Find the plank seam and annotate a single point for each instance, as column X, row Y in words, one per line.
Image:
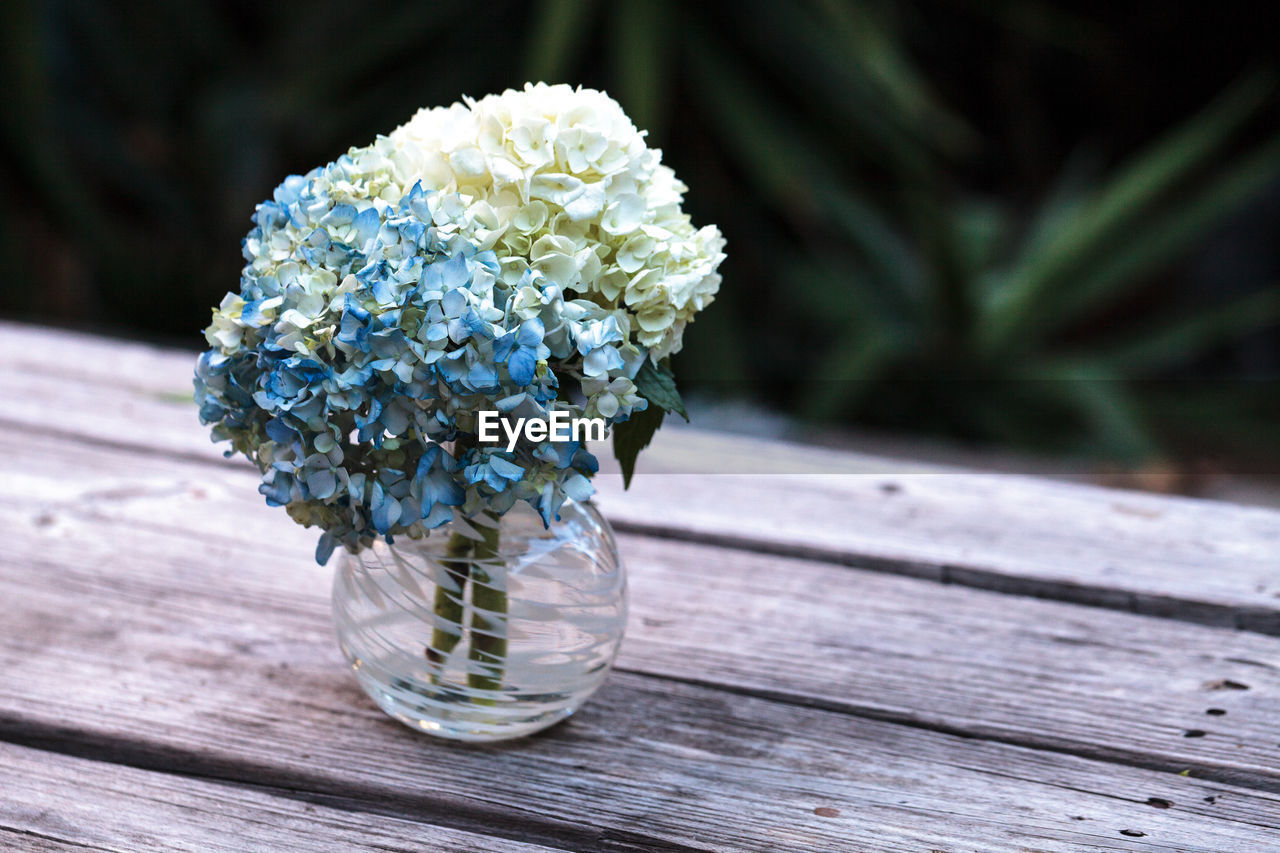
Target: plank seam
column 1175, row 608
column 456, row 813
column 53, row 839
column 1204, row 771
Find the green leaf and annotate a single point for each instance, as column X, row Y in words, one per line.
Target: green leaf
column 633, row 435
column 1095, row 228
column 1175, row 156
column 891, row 258
column 1070, row 193
column 774, row 150
column 860, row 44
column 1110, row 414
column 1163, row 237
column 1171, row 341
column 853, row 366
column 1114, row 416
column 657, row 384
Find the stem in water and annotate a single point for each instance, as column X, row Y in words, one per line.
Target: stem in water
column 449, row 602
column 488, row 611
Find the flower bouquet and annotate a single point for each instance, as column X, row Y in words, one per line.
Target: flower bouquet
column 523, row 256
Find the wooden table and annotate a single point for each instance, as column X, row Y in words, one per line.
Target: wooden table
column 826, row 653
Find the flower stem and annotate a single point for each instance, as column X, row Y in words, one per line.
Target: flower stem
column 488, row 612
column 449, row 604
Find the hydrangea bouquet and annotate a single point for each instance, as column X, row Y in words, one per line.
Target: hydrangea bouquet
column 523, row 253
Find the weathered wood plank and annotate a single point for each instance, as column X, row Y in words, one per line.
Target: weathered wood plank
column 239, row 690
column 146, row 644
column 54, row 801
column 1194, row 560
column 1081, row 680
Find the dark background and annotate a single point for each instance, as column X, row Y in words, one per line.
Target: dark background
column 1046, row 226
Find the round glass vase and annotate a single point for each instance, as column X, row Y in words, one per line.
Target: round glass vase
column 486, row 629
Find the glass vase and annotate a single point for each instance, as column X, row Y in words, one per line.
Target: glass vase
column 488, row 628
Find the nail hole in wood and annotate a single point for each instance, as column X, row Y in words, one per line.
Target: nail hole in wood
column 1225, row 684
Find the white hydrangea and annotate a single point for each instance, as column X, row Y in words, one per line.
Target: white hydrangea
column 559, row 179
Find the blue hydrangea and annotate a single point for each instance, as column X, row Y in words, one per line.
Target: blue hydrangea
column 366, row 336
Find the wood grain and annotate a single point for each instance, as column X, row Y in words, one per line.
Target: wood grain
column 169, row 678
column 972, row 662
column 123, row 645
column 1192, row 560
column 58, row 802
column 166, row 638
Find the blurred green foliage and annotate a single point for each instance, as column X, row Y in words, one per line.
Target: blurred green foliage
column 903, row 254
